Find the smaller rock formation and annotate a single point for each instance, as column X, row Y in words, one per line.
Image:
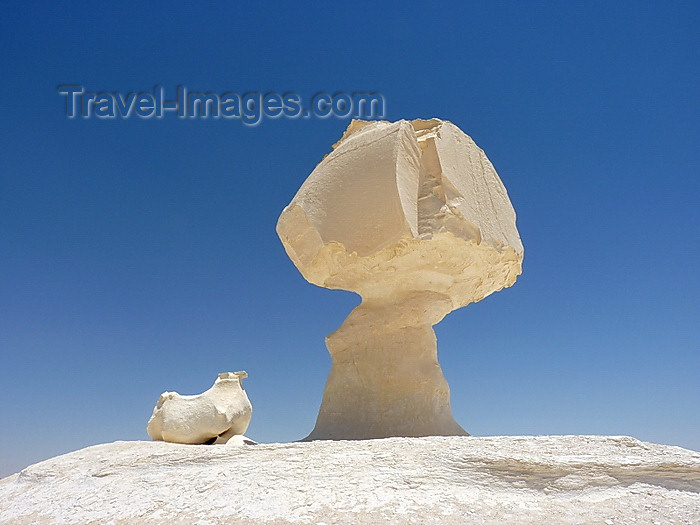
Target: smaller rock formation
column 212, row 417
column 240, row 441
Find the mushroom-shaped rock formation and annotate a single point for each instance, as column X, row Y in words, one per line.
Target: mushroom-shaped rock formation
column 413, row 217
column 214, row 416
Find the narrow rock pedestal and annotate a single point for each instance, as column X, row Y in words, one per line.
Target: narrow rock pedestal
column 385, row 379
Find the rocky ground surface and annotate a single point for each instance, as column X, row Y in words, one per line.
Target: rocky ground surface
column 436, row 480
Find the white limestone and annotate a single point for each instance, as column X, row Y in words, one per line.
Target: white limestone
column 214, row 416
column 428, row 481
column 413, row 217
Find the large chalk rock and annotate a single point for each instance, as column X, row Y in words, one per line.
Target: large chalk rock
column 214, row 416
column 404, row 205
column 413, row 217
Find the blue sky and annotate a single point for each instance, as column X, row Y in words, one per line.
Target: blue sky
column 140, row 255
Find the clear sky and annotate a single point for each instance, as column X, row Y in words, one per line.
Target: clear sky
column 140, row 255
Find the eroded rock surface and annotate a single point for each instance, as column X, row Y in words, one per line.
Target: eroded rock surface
column 514, row 480
column 413, row 217
column 214, row 416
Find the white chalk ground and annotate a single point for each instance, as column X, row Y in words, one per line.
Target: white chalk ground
column 437, row 480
